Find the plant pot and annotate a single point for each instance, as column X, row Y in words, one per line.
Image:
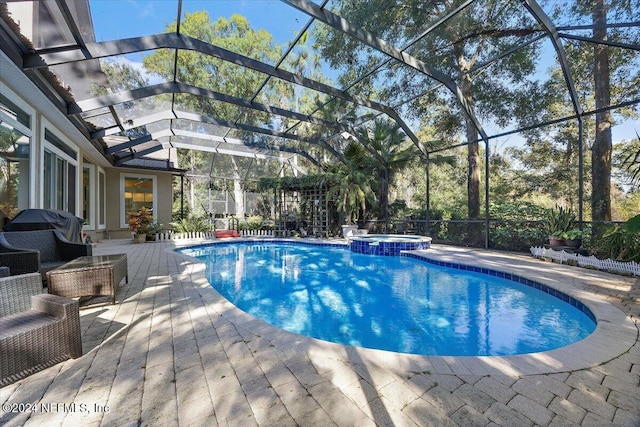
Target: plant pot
column 556, row 241
column 139, row 238
column 348, row 230
column 573, row 243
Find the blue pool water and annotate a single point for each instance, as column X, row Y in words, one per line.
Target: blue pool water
column 399, row 304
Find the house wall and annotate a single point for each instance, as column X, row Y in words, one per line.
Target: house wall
column 163, row 196
column 18, row 88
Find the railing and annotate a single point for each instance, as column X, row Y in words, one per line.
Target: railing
column 514, row 235
column 517, row 236
column 172, row 235
column 257, row 233
column 608, row 264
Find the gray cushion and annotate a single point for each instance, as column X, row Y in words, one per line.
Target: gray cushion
column 40, row 240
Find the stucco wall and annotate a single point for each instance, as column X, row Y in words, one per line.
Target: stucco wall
column 164, row 200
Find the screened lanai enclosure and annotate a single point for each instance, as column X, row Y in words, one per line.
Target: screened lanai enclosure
column 465, row 120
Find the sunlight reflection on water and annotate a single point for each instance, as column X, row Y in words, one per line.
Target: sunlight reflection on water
column 391, row 303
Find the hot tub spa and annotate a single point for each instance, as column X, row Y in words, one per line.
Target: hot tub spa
column 388, row 244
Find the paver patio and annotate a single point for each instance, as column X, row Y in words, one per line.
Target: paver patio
column 173, row 352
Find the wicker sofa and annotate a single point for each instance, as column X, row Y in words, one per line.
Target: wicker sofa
column 38, row 251
column 36, row 330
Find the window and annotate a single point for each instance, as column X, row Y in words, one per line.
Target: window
column 59, row 179
column 88, row 196
column 136, row 191
column 102, row 200
column 93, row 197
column 9, row 108
column 14, row 170
column 15, row 158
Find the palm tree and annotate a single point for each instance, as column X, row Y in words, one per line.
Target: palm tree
column 632, row 164
column 390, row 152
column 351, row 183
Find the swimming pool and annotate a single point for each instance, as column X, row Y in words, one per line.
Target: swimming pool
column 399, row 304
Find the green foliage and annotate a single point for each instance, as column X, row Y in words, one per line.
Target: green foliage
column 141, row 221
column 622, row 242
column 191, row 224
column 629, row 159
column 481, row 33
column 549, row 165
column 264, row 206
column 447, row 190
column 236, row 34
column 176, row 207
column 517, row 225
column 516, row 211
column 572, row 234
column 252, row 222
column 267, row 224
column 633, row 224
column 398, row 209
column 387, row 151
column 121, row 76
column 352, row 192
column 293, row 183
column 559, row 221
column 9, row 170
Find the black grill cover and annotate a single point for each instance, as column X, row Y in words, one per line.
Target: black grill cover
column 45, row 219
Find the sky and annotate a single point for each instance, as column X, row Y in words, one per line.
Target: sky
column 282, row 21
column 151, row 17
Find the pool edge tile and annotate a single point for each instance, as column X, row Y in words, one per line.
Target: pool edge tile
column 530, row 364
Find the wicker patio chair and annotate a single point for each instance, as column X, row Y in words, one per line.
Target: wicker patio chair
column 36, row 330
column 38, row 250
column 19, row 261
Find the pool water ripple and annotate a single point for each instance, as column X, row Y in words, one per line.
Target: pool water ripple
column 399, row 304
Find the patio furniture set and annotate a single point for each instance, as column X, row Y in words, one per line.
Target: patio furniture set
column 40, row 327
column 38, row 251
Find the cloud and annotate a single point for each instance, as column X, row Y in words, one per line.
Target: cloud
column 139, row 66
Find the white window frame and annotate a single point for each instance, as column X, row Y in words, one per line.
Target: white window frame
column 46, row 145
column 101, row 205
column 90, row 223
column 28, row 132
column 124, row 220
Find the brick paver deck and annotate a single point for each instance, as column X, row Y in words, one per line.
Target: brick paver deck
column 173, row 352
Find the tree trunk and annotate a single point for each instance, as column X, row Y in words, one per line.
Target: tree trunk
column 601, row 151
column 383, row 177
column 473, row 149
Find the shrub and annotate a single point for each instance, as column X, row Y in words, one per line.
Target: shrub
column 191, row 224
column 253, row 222
column 516, row 225
column 141, row 221
column 621, row 242
column 559, row 221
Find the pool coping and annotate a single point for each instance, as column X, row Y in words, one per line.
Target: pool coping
column 614, row 335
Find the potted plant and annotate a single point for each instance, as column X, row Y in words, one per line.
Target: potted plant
column 153, row 229
column 573, row 238
column 140, row 222
column 559, row 221
column 557, row 239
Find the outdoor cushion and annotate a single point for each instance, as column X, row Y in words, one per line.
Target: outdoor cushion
column 39, row 250
column 36, row 330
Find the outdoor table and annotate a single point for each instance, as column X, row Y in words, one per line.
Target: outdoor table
column 89, row 276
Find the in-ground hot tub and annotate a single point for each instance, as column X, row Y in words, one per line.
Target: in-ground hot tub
column 388, row 244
